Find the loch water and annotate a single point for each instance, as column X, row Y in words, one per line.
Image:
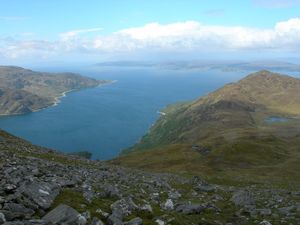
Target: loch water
column 104, row 120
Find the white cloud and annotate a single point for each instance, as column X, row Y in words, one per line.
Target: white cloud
column 73, row 33
column 189, row 36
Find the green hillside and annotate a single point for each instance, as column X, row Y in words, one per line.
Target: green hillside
column 245, row 132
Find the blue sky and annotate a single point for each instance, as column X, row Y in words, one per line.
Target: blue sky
column 94, row 30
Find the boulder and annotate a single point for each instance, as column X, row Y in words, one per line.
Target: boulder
column 265, row 222
column 243, row 198
column 135, row 221
column 114, row 220
column 62, row 214
column 123, row 207
column 264, row 212
column 286, row 210
column 16, row 211
column 159, row 222
column 110, row 191
column 174, row 195
column 190, row 208
column 2, row 218
column 27, row 222
column 168, row 205
column 205, row 188
column 43, row 194
column 96, row 221
column 146, row 208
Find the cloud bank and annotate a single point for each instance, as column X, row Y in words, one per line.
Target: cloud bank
column 180, row 37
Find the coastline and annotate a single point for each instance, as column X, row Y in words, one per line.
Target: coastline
column 161, row 113
column 58, row 98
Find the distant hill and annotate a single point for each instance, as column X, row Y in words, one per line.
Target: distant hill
column 23, row 90
column 241, row 128
column 227, row 66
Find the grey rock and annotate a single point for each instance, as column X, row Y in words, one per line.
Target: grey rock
column 2, row 218
column 123, row 207
column 96, row 221
column 110, row 191
column 27, row 222
column 43, row 194
column 16, row 211
column 155, row 197
column 135, row 221
column 146, row 208
column 243, row 198
column 62, row 214
column 168, row 205
column 285, row 210
column 102, row 213
column 159, row 222
column 265, row 222
column 114, row 220
column 174, row 195
column 81, row 220
column 87, row 215
column 206, row 188
column 191, row 208
column 264, row 212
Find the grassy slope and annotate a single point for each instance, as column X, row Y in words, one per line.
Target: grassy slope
column 231, row 123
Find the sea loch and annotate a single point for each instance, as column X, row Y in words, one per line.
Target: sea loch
column 107, row 119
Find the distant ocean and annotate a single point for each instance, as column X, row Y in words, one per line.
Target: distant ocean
column 107, row 119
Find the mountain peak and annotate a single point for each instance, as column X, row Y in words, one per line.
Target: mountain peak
column 265, row 75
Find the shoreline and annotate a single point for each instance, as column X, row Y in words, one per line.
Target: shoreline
column 161, row 113
column 58, row 98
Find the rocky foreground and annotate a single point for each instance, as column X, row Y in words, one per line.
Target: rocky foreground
column 39, row 186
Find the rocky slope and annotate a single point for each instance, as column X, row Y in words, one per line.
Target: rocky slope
column 23, row 91
column 226, row 134
column 39, row 186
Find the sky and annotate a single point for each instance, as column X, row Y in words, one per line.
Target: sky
column 56, row 31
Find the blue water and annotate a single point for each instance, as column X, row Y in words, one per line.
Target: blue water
column 107, row 119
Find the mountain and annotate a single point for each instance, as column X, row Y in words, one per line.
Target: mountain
column 39, row 186
column 23, row 90
column 247, row 131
